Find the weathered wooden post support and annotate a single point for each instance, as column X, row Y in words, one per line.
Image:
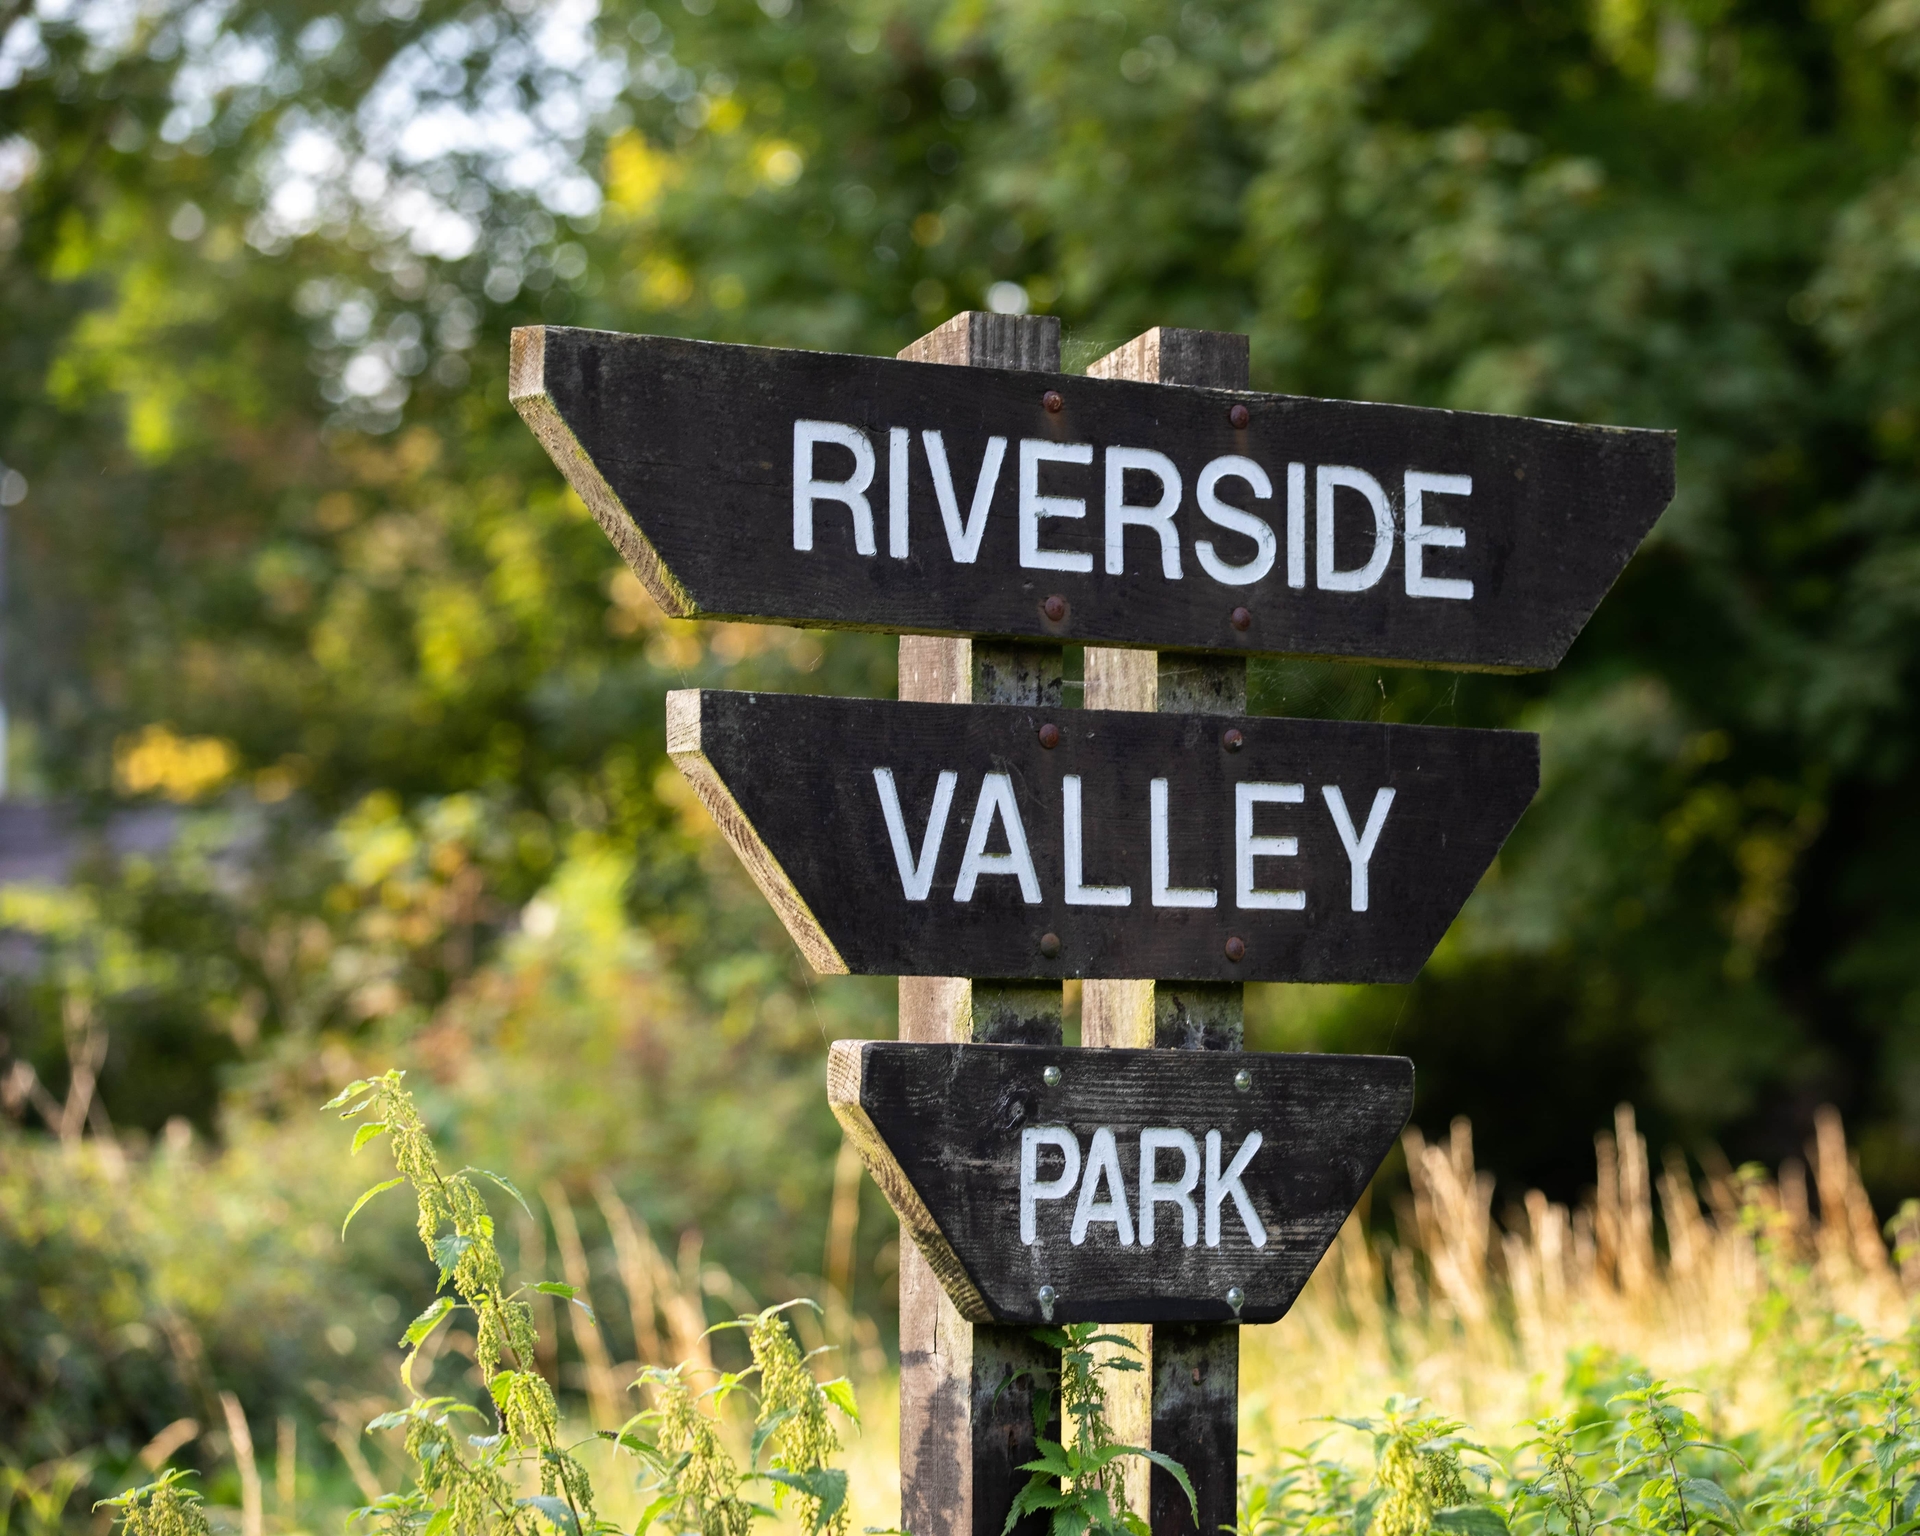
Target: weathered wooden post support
column 966, row 1411
column 982, row 842
column 1186, row 1401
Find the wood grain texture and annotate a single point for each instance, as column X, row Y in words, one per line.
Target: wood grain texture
column 966, row 1420
column 1184, row 1402
column 801, row 772
column 1195, row 1370
column 684, row 451
column 685, row 748
column 1168, row 354
column 949, row 1120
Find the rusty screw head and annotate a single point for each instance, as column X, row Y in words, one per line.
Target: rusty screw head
column 1241, row 619
column 1232, row 740
column 1236, row 949
column 1049, row 944
column 1239, row 416
column 1055, row 608
column 1049, row 735
column 1052, row 401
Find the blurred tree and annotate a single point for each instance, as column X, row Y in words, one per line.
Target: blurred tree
column 260, row 262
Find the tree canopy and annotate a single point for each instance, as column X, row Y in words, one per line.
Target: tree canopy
column 281, row 554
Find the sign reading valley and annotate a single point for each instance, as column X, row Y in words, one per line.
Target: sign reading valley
column 823, row 489
column 1001, row 840
column 1049, row 1184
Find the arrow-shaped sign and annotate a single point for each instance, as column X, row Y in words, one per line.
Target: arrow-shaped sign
column 817, row 488
column 1054, row 1184
column 998, row 840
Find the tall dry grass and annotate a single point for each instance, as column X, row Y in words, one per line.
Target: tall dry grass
column 1721, row 1283
column 1713, row 1283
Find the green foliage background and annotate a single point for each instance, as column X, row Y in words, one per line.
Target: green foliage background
column 258, row 262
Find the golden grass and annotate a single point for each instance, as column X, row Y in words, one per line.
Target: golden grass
column 1701, row 1284
column 1480, row 1318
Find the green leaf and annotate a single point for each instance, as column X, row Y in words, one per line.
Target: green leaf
column 392, row 1419
column 558, row 1515
column 654, row 1511
column 1042, row 1493
column 1704, row 1493
column 447, row 1252
column 1053, row 1461
column 504, row 1182
column 839, row 1392
column 378, row 1189
column 426, row 1322
column 358, row 1085
column 764, row 1432
column 1174, row 1470
column 569, row 1292
column 827, row 1485
column 366, row 1133
column 1471, row 1520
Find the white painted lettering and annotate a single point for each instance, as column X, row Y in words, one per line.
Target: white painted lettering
column 1296, row 525
column 1221, row 1185
column 1359, row 848
column 916, row 875
column 1165, row 892
column 1080, row 894
column 964, row 539
column 899, row 440
column 850, row 493
column 1155, row 1191
column 1103, row 1166
column 1247, row 847
column 1033, row 506
column 1328, row 579
column 1265, row 546
column 1033, row 1189
column 1122, row 514
column 1423, row 535
column 996, row 800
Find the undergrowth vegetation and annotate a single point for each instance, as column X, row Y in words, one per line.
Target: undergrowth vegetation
column 1684, row 1352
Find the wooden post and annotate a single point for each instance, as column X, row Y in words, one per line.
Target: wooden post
column 1186, row 1402
column 964, row 1432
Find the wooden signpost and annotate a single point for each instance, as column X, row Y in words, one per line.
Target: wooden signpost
column 1156, row 842
column 954, row 839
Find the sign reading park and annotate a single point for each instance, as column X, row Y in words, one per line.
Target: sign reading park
column 1049, row 1184
column 823, row 489
column 1000, row 840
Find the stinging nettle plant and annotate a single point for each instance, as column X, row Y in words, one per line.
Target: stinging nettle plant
column 468, row 1485
column 1077, row 1479
column 473, row 1464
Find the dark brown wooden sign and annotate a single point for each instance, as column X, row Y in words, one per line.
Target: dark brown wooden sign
column 1055, row 1184
column 1001, row 840
column 822, row 489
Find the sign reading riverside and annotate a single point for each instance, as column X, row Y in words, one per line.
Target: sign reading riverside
column 1051, row 1184
column 1001, row 840
column 824, row 489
